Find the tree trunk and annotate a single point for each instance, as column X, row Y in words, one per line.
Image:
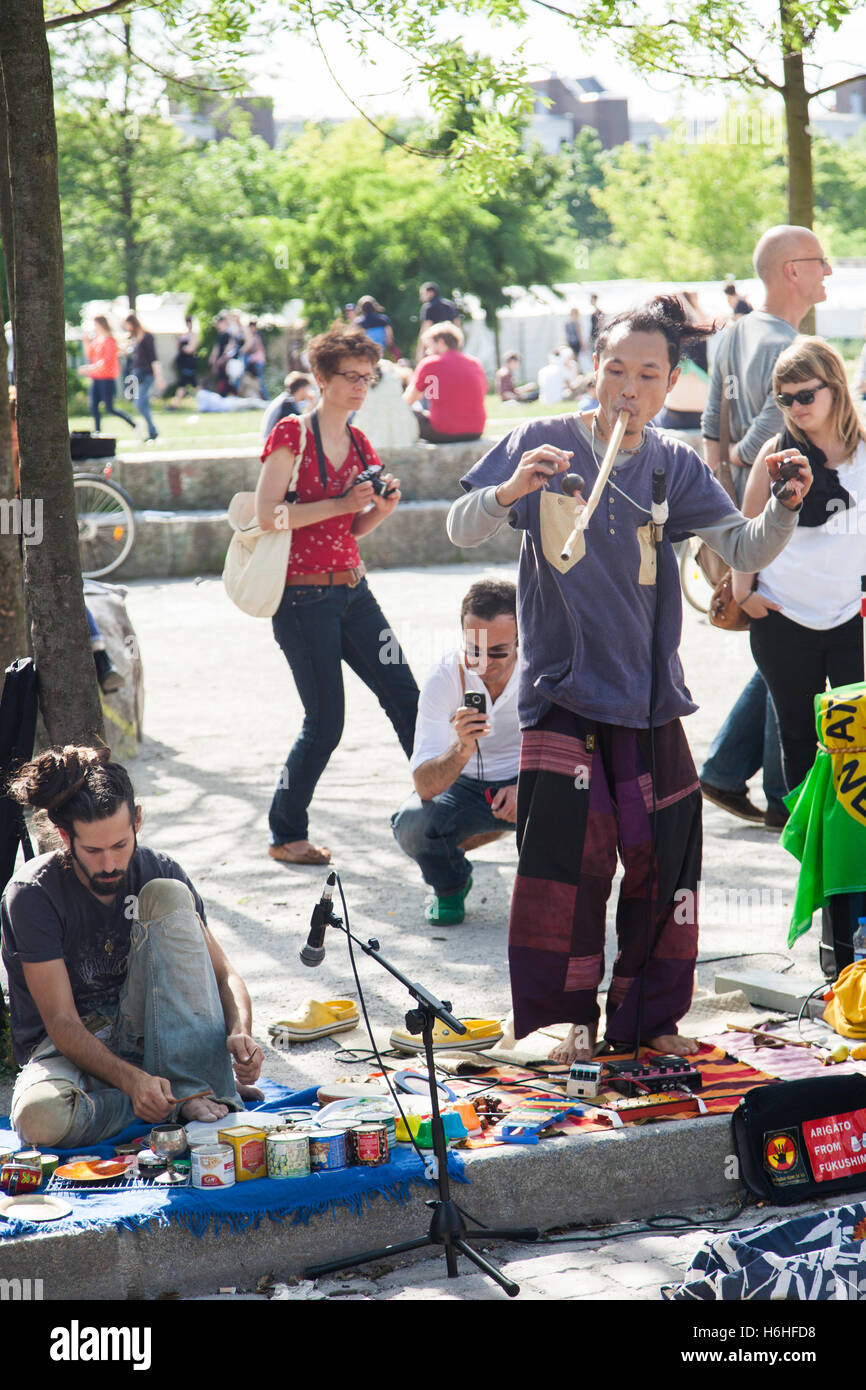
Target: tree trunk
column 52, row 574
column 124, row 175
column 13, row 638
column 13, row 641
column 801, row 209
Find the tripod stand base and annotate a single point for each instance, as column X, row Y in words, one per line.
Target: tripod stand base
column 447, row 1228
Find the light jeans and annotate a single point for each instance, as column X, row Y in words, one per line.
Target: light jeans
column 169, row 1021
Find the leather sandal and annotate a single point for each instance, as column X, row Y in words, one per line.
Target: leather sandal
column 288, row 854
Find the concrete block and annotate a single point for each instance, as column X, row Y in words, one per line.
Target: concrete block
column 169, row 545
column 197, row 480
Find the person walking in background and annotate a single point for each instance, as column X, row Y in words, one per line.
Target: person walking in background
column 453, row 385
column 375, row 323
column 145, row 370
column 103, row 368
column 328, row 614
column 739, row 306
column 185, row 363
column 574, row 336
column 255, row 357
column 792, row 266
column 596, row 320
column 434, row 309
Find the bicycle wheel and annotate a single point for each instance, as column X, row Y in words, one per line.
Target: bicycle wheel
column 695, row 585
column 106, row 524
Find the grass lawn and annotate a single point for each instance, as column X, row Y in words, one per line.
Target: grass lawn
column 186, row 428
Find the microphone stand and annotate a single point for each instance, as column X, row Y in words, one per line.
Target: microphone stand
column 447, row 1224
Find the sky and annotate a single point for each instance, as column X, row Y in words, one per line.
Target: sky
column 297, row 77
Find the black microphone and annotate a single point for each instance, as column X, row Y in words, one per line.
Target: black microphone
column 659, row 511
column 314, row 952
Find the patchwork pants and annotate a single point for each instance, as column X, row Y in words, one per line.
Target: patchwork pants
column 585, row 793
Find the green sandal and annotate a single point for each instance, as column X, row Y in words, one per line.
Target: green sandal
column 448, row 910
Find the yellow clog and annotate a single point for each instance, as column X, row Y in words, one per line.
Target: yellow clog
column 316, row 1020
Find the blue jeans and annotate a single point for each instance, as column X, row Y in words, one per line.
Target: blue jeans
column 102, row 394
column 748, row 740
column 169, row 1021
column 430, row 832
column 319, row 627
column 143, row 392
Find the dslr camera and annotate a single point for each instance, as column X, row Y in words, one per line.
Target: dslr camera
column 373, row 475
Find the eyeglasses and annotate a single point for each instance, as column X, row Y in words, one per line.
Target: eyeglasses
column 491, row 653
column 354, row 377
column 801, row 397
column 822, row 260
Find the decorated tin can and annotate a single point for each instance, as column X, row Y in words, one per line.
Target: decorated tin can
column 288, row 1154
column 20, row 1177
column 327, row 1149
column 369, row 1144
column 213, row 1165
column 248, row 1146
column 386, row 1118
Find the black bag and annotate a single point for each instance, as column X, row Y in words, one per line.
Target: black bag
column 18, row 709
column 801, row 1140
column 83, row 445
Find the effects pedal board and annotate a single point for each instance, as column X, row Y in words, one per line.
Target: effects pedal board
column 635, row 1078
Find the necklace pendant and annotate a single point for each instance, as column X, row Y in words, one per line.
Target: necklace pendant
column 109, row 947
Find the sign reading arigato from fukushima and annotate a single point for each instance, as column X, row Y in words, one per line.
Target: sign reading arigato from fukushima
column 837, row 1145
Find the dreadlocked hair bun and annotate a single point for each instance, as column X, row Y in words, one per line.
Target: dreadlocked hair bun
column 56, row 776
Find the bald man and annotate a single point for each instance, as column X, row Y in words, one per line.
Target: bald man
column 790, row 262
column 792, row 266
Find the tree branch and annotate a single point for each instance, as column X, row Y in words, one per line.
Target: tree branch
column 834, row 86
column 80, row 15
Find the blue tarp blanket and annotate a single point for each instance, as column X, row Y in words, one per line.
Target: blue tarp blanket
column 818, row 1256
column 241, row 1207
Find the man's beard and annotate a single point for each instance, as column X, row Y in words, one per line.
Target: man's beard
column 101, row 884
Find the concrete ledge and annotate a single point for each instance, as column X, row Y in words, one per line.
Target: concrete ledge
column 169, row 545
column 208, row 479
column 586, row 1179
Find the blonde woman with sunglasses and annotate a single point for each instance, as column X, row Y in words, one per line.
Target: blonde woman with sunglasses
column 806, row 629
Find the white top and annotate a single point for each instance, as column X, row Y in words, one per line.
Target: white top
column 816, row 578
column 441, row 695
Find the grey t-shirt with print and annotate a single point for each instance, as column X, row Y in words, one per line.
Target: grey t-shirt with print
column 46, row 913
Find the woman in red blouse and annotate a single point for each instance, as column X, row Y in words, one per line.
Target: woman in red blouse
column 103, row 369
column 328, row 614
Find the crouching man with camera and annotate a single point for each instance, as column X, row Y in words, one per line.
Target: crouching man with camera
column 467, row 750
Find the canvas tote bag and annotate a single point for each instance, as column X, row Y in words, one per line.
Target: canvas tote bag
column 254, row 573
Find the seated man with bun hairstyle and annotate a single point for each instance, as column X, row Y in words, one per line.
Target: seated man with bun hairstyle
column 122, row 1004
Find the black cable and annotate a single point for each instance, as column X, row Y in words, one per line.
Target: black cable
column 654, row 812
column 747, row 955
column 375, row 1049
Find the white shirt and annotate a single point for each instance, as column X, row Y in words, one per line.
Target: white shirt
column 441, row 695
column 816, row 578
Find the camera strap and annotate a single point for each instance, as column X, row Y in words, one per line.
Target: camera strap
column 320, row 453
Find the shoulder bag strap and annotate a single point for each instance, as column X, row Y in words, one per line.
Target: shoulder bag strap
column 320, row 453
column 292, row 494
column 724, row 474
column 462, row 675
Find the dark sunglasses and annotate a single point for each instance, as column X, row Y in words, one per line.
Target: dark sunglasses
column 801, row 397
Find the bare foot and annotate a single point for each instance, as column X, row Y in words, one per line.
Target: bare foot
column 674, row 1045
column 250, row 1093
column 579, row 1046
column 202, row 1109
